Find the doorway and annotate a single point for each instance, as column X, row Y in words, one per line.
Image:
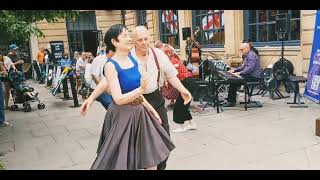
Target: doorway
column 91, row 43
column 83, row 34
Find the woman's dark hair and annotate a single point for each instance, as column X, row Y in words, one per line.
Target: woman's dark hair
column 1, row 53
column 113, row 33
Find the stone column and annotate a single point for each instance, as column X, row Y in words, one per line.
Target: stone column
column 234, row 32
column 308, row 18
column 185, row 20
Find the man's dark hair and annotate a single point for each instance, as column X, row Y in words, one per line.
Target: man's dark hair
column 113, row 33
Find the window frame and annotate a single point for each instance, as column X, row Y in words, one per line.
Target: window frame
column 270, row 43
column 194, row 16
column 141, row 17
column 87, row 21
column 168, row 34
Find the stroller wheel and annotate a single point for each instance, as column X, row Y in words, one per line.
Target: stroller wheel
column 41, row 106
column 27, row 108
column 14, row 108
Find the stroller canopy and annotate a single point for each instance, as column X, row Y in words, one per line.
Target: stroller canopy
column 16, row 76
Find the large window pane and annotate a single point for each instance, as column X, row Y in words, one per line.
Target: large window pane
column 75, row 41
column 263, row 36
column 253, row 33
column 141, row 17
column 272, row 32
column 283, row 11
column 262, row 15
column 252, row 16
column 163, row 28
column 222, row 36
column 198, row 22
column 163, row 39
column 295, row 29
column 266, row 25
column 171, row 39
column 222, row 19
column 211, row 23
column 272, row 15
column 85, row 21
column 295, row 14
column 169, row 30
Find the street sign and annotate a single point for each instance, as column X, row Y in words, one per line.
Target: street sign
column 57, row 49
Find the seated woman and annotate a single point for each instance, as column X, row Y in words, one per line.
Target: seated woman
column 181, row 113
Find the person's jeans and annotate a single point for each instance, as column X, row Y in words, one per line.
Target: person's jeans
column 42, row 72
column 2, row 115
column 105, row 99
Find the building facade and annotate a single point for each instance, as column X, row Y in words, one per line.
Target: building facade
column 220, row 32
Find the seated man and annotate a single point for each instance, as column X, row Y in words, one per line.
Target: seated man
column 249, row 70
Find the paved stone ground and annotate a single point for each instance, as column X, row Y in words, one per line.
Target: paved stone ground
column 272, row 137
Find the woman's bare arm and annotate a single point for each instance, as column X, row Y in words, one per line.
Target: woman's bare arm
column 115, row 89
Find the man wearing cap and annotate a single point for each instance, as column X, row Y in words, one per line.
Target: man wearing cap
column 15, row 58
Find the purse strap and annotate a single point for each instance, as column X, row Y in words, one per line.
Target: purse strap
column 157, row 63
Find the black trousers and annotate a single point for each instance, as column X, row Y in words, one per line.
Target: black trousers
column 65, row 87
column 234, row 85
column 181, row 112
column 157, row 102
column 42, row 68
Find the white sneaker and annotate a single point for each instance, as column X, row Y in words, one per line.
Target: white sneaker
column 191, row 126
column 6, row 123
column 179, row 130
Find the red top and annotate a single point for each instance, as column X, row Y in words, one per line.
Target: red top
column 183, row 72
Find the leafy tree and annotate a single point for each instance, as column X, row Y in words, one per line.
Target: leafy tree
column 18, row 25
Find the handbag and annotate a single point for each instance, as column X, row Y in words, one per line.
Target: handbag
column 169, row 92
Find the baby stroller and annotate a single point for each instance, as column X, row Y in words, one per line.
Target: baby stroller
column 22, row 93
